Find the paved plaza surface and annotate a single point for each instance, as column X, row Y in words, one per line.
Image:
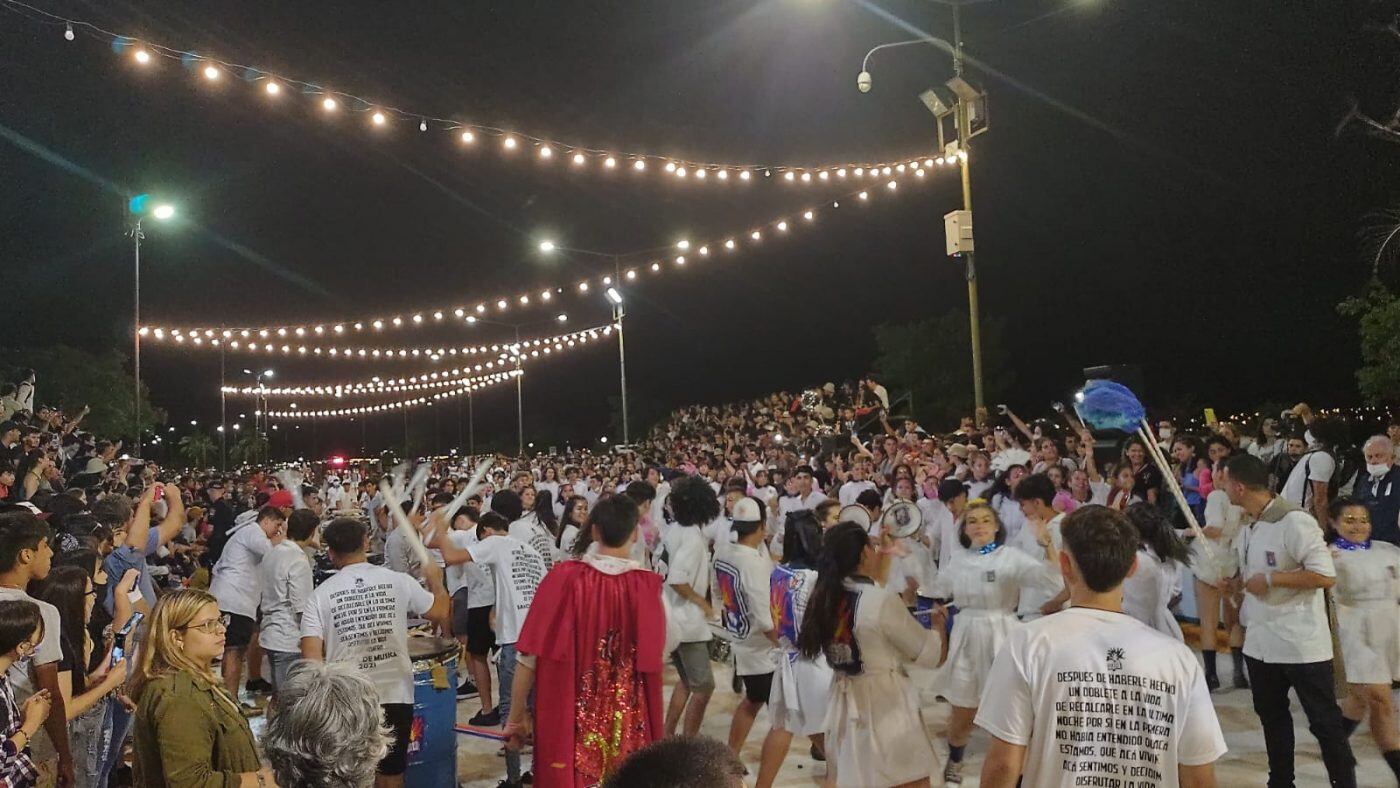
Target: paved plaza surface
column 479, row 765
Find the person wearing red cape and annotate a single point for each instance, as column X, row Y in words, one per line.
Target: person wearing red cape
column 592, row 646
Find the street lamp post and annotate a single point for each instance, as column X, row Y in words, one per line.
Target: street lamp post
column 957, row 154
column 137, row 206
column 615, row 299
column 519, row 390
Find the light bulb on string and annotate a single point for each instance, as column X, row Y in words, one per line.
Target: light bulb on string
column 379, row 119
column 68, row 31
column 417, row 318
column 141, row 56
column 272, row 88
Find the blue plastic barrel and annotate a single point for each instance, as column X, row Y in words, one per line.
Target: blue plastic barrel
column 432, row 741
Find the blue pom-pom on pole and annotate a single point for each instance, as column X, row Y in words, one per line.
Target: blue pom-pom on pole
column 1111, row 406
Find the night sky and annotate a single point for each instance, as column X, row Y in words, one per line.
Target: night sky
column 1161, row 185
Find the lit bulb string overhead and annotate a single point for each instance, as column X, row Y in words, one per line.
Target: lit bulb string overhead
column 271, row 338
column 356, row 353
column 330, row 413
column 425, row 381
column 508, row 142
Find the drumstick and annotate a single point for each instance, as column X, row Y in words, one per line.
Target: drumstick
column 1145, row 432
column 292, row 483
column 415, row 542
column 468, row 490
column 419, row 485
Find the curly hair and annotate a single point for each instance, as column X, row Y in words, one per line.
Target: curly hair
column 693, row 501
column 324, row 730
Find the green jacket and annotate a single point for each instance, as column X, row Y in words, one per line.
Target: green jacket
column 186, row 736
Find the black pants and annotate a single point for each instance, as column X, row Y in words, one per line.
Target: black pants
column 1312, row 681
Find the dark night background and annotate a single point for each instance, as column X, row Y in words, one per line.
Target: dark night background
column 1162, row 186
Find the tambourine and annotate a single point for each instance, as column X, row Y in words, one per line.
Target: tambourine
column 855, row 513
column 902, row 519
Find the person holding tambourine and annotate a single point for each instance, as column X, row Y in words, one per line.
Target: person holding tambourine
column 986, row 583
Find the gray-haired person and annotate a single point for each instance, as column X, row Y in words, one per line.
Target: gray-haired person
column 325, row 729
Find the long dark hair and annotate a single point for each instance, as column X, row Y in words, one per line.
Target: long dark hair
column 839, row 558
column 1156, row 532
column 544, row 510
column 66, row 589
column 569, row 519
column 802, row 539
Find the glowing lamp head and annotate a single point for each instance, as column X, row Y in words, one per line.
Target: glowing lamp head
column 614, row 296
column 273, row 88
column 142, row 56
column 547, row 246
column 211, row 72
column 328, row 104
column 163, row 212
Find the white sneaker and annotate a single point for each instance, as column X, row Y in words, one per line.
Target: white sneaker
column 952, row 773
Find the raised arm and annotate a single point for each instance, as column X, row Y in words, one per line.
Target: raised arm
column 174, row 514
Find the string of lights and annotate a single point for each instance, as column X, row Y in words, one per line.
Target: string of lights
column 499, row 350
column 288, row 338
column 293, row 412
column 425, row 381
column 382, row 117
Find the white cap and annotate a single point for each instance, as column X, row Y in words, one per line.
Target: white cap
column 747, row 511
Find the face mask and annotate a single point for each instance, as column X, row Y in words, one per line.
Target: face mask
column 1166, row 434
column 1377, row 470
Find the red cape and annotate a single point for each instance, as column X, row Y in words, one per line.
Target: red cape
column 598, row 639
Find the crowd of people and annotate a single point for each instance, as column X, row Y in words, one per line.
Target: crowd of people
column 812, row 546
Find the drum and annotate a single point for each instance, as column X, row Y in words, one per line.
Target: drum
column 924, row 605
column 854, row 513
column 432, row 741
column 902, row 519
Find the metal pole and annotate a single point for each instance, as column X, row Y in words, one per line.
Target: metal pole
column 136, row 339
column 963, row 118
column 471, row 427
column 622, row 372
column 621, row 354
column 519, row 404
column 223, row 415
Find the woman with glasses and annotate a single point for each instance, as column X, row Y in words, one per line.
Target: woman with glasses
column 21, row 630
column 188, row 730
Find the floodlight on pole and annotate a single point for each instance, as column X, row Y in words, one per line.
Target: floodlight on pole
column 547, row 246
column 614, row 296
column 163, row 212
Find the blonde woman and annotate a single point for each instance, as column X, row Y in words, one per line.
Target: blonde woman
column 188, row 731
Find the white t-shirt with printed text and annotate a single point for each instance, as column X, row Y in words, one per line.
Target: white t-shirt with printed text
column 361, row 615
column 1099, row 698
column 517, row 569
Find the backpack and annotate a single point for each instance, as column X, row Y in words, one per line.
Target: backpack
column 1345, row 467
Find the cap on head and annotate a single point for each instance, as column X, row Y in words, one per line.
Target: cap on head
column 746, row 511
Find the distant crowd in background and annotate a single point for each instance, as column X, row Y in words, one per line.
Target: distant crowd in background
column 233, row 586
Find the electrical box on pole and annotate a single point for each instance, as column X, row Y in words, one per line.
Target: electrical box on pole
column 957, row 228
